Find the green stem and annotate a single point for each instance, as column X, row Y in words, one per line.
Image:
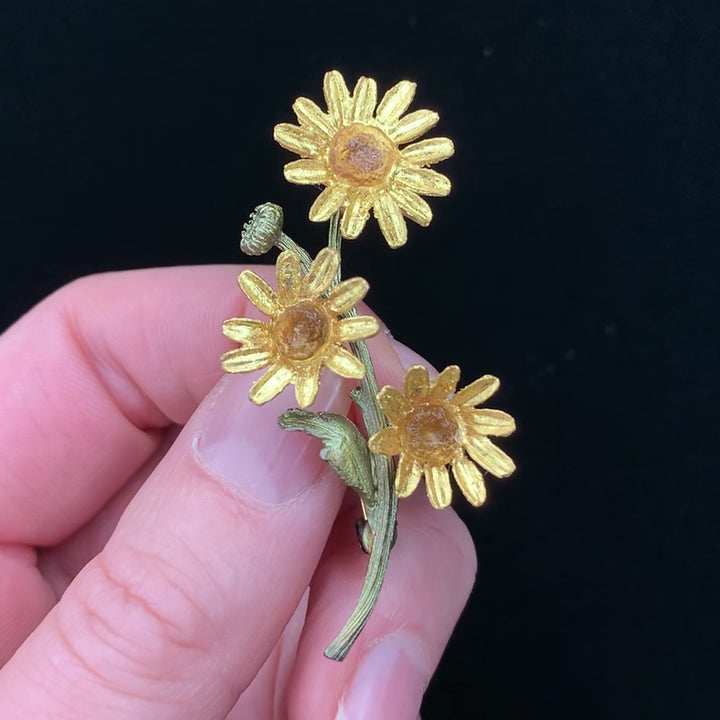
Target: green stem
column 285, row 242
column 382, row 512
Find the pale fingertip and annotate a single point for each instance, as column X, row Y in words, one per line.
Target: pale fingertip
column 389, row 681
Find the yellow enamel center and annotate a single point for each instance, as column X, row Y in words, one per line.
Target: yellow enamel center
column 361, row 154
column 430, row 434
column 301, row 331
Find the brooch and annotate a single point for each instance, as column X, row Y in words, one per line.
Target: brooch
column 368, row 157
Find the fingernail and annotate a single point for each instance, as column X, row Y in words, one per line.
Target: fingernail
column 242, row 444
column 388, row 683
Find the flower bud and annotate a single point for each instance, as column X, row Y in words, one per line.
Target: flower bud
column 262, row 231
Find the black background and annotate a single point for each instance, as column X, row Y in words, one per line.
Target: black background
column 576, row 258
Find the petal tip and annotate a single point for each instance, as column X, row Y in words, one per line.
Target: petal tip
column 333, row 74
column 509, row 470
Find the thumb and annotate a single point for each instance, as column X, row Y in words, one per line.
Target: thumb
column 177, row 614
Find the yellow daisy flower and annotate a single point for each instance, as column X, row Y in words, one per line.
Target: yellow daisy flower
column 432, row 427
column 354, row 150
column 304, row 332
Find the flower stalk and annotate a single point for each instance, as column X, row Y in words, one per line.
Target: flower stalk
column 377, row 529
column 380, row 511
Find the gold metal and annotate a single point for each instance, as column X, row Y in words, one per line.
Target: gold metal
column 432, row 427
column 262, row 230
column 305, row 330
column 368, row 156
column 354, row 150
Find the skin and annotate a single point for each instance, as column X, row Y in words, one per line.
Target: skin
column 136, row 582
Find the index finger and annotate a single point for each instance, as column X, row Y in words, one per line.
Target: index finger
column 92, row 376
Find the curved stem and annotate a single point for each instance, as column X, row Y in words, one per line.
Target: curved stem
column 285, row 242
column 382, row 511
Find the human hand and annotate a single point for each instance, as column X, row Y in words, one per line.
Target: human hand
column 155, row 555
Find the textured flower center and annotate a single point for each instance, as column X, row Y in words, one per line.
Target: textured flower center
column 361, row 154
column 301, row 331
column 430, row 433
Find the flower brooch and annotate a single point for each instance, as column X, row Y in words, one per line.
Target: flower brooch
column 432, row 427
column 305, row 330
column 367, row 156
column 354, row 151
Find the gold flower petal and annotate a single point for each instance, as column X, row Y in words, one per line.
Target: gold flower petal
column 407, row 476
column 289, row 277
column 260, row 294
column 270, row 384
column 347, row 294
column 487, row 455
column 307, row 383
column 487, row 421
column 244, row 330
column 364, row 99
column 420, row 180
column 445, row 383
column 322, row 272
column 393, row 403
column 390, row 184
column 356, row 214
column 437, row 484
column 470, row 481
column 337, row 97
column 412, row 205
column 310, row 116
column 327, row 202
column 478, row 391
column 395, row 102
column 306, row 172
column 344, row 363
column 434, row 432
column 305, row 331
column 427, row 152
column 386, row 442
column 391, row 221
column 356, row 328
column 297, row 139
column 414, row 125
column 245, row 359
column 417, row 382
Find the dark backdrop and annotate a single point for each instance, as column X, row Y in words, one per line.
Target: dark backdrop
column 576, row 258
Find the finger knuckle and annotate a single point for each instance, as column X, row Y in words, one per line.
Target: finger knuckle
column 137, row 618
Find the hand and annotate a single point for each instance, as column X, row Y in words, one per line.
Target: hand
column 155, row 555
